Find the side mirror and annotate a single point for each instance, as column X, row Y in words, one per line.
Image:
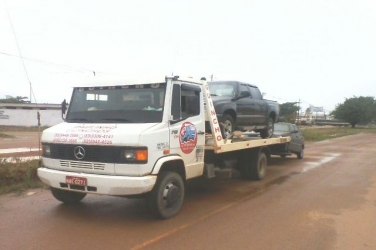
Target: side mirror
column 63, row 108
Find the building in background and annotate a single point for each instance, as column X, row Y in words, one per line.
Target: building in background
column 26, row 114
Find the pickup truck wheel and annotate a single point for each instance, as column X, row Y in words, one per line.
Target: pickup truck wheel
column 269, row 130
column 228, row 126
column 67, row 197
column 167, row 197
column 253, row 165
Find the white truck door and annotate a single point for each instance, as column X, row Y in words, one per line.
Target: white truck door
column 187, row 126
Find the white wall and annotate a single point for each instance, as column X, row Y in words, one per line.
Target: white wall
column 27, row 117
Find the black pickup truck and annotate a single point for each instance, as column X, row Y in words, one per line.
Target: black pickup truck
column 241, row 105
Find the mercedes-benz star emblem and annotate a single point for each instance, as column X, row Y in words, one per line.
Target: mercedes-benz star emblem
column 79, row 152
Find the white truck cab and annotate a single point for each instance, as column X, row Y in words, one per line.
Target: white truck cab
column 133, row 140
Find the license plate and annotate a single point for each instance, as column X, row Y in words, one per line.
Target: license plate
column 79, row 181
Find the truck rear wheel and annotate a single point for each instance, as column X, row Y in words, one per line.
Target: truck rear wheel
column 67, row 197
column 253, row 165
column 166, row 199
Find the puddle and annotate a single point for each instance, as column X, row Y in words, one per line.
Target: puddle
column 312, row 165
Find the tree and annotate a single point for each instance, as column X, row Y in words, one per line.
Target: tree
column 288, row 110
column 17, row 99
column 356, row 110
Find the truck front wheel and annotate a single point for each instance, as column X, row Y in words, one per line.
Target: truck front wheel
column 167, row 197
column 269, row 129
column 67, row 197
column 227, row 126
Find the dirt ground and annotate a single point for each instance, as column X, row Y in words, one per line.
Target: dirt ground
column 20, row 139
column 326, row 201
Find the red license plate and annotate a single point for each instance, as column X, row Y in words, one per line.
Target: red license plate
column 79, row 181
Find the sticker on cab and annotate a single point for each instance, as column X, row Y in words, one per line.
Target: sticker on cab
column 188, row 137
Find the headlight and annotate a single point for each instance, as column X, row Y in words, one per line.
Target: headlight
column 46, row 150
column 135, row 155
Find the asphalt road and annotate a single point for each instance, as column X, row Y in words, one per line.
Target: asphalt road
column 326, row 201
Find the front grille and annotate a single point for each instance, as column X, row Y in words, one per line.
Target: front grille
column 92, row 153
column 82, row 165
column 103, row 154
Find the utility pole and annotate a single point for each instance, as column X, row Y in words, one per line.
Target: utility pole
column 298, row 120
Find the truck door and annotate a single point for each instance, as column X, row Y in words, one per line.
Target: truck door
column 251, row 109
column 296, row 138
column 259, row 106
column 187, row 126
column 245, row 106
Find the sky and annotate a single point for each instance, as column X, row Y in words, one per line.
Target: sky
column 318, row 52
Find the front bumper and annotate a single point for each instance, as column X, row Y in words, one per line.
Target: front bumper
column 99, row 184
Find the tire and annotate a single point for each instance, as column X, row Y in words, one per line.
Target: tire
column 300, row 155
column 227, row 126
column 253, row 165
column 269, row 129
column 67, row 197
column 167, row 197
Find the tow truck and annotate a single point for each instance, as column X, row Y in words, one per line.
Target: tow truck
column 144, row 140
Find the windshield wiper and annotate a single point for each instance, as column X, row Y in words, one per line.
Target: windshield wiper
column 77, row 120
column 115, row 119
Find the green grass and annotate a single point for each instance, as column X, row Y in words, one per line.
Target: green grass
column 320, row 134
column 18, row 177
column 3, row 135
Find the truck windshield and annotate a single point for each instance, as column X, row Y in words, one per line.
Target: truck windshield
column 118, row 104
column 222, row 89
column 281, row 127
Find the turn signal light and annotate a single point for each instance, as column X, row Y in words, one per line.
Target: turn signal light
column 135, row 155
column 141, row 155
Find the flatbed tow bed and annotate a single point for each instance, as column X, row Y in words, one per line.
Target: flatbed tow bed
column 235, row 145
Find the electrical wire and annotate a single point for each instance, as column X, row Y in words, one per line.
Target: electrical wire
column 20, row 53
column 72, row 68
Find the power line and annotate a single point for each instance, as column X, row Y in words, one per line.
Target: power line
column 72, row 68
column 20, row 54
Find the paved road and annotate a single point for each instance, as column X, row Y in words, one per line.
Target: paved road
column 326, row 201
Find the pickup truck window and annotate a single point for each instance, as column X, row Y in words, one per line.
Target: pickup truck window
column 243, row 88
column 255, row 92
column 120, row 104
column 223, row 89
column 281, row 127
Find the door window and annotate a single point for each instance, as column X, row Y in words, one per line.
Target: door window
column 185, row 101
column 255, row 93
column 243, row 88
